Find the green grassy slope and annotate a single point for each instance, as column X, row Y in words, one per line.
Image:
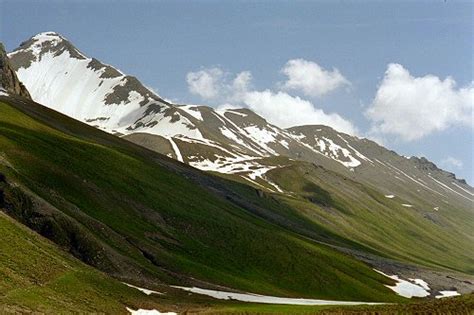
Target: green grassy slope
column 136, row 214
column 36, row 276
column 441, row 239
column 461, row 305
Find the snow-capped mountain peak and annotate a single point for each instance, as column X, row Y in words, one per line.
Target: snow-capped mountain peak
column 63, row 78
column 232, row 141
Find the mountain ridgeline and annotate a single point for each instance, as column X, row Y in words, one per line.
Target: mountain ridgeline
column 303, row 212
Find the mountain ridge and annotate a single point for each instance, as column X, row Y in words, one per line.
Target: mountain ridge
column 158, row 110
column 308, row 191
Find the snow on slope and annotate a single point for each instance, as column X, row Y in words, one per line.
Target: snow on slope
column 256, row 298
column 148, row 312
column 50, row 78
column 64, row 79
column 227, row 141
column 444, row 294
column 146, row 291
column 416, row 288
column 327, row 147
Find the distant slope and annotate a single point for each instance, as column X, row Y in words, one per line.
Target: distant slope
column 142, row 217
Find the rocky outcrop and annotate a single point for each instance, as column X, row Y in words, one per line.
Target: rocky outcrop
column 9, row 82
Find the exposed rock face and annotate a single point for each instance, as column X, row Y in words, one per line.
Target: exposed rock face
column 9, row 82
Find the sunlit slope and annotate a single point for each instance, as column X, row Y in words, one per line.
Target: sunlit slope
column 392, row 225
column 136, row 214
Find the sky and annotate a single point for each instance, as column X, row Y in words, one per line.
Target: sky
column 398, row 72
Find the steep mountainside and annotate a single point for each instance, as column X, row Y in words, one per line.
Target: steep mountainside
column 147, row 219
column 398, row 214
column 229, row 141
column 38, row 277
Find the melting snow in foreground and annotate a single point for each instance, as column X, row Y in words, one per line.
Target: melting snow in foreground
column 447, row 294
column 406, row 288
column 146, row 291
column 148, row 312
column 256, row 298
column 421, row 283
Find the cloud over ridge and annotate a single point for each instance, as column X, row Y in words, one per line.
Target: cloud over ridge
column 311, row 79
column 278, row 107
column 411, row 107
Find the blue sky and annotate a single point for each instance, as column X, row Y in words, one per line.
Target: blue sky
column 161, row 42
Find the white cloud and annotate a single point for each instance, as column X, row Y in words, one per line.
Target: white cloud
column 311, row 78
column 452, row 163
column 205, row 83
column 414, row 107
column 285, row 110
column 279, row 108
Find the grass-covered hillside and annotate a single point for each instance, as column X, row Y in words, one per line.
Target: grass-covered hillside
column 416, row 233
column 144, row 218
column 35, row 275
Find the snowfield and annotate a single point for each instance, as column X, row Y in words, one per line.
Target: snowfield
column 408, row 289
column 256, row 298
column 146, row 291
column 444, row 294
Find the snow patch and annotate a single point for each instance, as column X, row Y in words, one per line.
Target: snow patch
column 179, row 157
column 411, row 178
column 446, row 187
column 193, row 111
column 465, row 190
column 262, row 136
column 167, row 125
column 357, row 153
column 235, row 113
column 421, row 283
column 256, row 298
column 146, row 291
column 444, row 294
column 390, row 196
column 332, row 150
column 148, row 312
column 407, row 289
column 407, row 205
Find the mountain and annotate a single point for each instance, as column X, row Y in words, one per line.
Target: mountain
column 236, row 143
column 146, row 219
column 303, row 212
column 227, row 141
